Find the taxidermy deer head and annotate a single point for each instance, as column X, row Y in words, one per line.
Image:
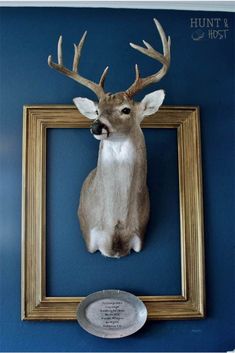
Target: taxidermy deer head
column 114, row 200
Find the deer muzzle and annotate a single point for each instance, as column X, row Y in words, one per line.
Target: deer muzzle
column 99, row 130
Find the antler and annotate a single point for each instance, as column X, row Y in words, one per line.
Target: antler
column 98, row 89
column 164, row 59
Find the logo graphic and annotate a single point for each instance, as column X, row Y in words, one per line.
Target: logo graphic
column 205, row 28
column 198, row 35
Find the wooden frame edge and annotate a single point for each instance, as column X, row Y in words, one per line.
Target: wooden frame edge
column 36, row 306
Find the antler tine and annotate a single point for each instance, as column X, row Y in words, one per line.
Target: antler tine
column 164, row 59
column 77, row 52
column 137, row 72
column 166, row 43
column 103, row 77
column 137, row 75
column 96, row 88
column 59, row 51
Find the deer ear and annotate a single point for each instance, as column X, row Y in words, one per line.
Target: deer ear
column 86, row 107
column 152, row 102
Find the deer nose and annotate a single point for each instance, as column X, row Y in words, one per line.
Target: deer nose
column 96, row 127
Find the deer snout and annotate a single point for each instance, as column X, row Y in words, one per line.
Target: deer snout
column 99, row 130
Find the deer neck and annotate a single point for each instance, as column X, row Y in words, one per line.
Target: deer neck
column 120, row 172
column 122, row 151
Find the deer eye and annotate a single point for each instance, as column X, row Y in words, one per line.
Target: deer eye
column 126, row 110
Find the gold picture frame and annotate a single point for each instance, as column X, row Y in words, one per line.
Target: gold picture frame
column 36, row 305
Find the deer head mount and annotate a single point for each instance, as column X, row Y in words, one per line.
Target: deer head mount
column 114, row 202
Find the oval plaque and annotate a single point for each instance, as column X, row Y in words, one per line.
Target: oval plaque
column 111, row 314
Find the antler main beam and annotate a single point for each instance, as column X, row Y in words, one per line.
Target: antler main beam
column 164, row 59
column 98, row 89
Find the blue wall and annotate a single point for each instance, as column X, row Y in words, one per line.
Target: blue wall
column 201, row 74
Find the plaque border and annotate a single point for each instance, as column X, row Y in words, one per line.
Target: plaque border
column 36, row 305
